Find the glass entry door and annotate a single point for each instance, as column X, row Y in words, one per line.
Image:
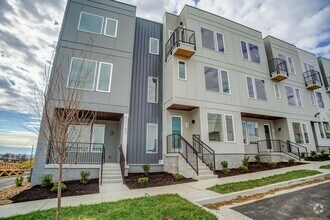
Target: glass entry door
column 268, row 136
column 176, row 129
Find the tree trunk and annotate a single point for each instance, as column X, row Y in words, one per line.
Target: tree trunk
column 59, row 189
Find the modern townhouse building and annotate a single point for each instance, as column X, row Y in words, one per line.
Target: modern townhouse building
column 187, row 93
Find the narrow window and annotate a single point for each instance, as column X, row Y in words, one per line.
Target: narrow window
column 153, row 89
column 244, row 50
column 326, row 129
column 253, row 131
column 297, row 133
column 291, row 65
column 305, row 131
column 321, row 130
column 215, row 127
column 291, row 96
column 298, row 96
column 260, row 89
column 111, row 27
column 312, row 97
column 277, row 90
column 225, row 82
column 230, row 128
column 207, row 38
column 154, row 46
column 97, row 138
column 245, row 141
column 211, row 79
column 319, row 99
column 104, row 77
column 249, row 83
column 82, row 73
column 152, row 138
column 90, row 23
column 220, row 42
column 254, row 53
column 182, row 70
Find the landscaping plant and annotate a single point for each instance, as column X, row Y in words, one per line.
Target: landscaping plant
column 243, row 168
column 28, row 178
column 291, row 161
column 224, row 167
column 19, row 181
column 313, row 153
column 146, row 169
column 257, row 157
column 46, row 180
column 315, row 157
column 273, row 164
column 143, row 180
column 245, row 161
column 84, row 176
column 55, row 187
column 303, row 155
column 178, row 176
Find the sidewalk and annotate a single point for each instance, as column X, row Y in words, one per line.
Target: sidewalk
column 194, row 191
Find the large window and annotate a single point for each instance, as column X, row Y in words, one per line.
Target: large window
column 111, row 27
column 326, row 127
column 154, row 46
column 152, row 89
column 90, row 23
column 216, row 83
column 319, row 99
column 82, row 73
column 289, row 63
column 152, row 138
column 294, row 96
column 104, row 77
column 277, row 90
column 207, row 38
column 220, row 43
column 215, row 127
column 253, row 132
column 182, row 73
column 301, row 134
column 250, row 52
column 256, row 88
column 230, row 134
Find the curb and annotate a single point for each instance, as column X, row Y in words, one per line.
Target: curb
column 250, row 192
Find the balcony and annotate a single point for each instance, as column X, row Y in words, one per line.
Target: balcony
column 278, row 69
column 181, row 43
column 312, row 79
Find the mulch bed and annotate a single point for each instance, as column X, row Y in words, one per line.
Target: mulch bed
column 155, row 179
column 255, row 167
column 74, row 188
column 321, row 159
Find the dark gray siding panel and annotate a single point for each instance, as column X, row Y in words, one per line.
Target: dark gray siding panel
column 142, row 112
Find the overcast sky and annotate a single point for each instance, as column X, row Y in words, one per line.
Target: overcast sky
column 29, row 30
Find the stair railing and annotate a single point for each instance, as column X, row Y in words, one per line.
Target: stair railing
column 205, row 153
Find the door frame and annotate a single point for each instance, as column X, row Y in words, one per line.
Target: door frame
column 178, row 116
column 270, row 134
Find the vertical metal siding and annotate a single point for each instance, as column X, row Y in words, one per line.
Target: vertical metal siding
column 141, row 112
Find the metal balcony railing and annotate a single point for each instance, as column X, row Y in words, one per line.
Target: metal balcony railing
column 312, row 77
column 277, row 65
column 327, row 82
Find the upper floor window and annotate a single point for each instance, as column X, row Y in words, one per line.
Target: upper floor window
column 319, row 99
column 90, row 23
column 207, row 38
column 154, row 46
column 293, row 96
column 182, row 73
column 220, row 43
column 250, row 52
column 111, row 27
column 104, row 77
column 256, row 88
column 312, row 97
column 153, row 89
column 82, row 73
column 289, row 63
column 277, row 90
column 308, row 67
column 216, row 83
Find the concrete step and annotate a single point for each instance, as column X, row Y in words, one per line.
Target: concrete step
column 112, row 177
column 111, row 171
column 206, row 177
column 106, row 181
column 204, row 172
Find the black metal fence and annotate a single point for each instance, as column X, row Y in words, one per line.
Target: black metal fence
column 279, row 146
column 277, row 65
column 312, row 77
column 205, row 153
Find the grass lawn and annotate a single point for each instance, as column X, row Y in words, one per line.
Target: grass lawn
column 250, row 184
column 170, row 206
column 325, row 166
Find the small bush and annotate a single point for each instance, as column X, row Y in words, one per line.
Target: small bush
column 46, row 180
column 28, row 178
column 224, row 164
column 273, row 164
column 313, row 153
column 19, row 181
column 303, row 155
column 146, row 169
column 245, row 161
column 243, row 168
column 84, row 176
column 291, row 161
column 178, row 176
column 257, row 157
column 322, row 152
column 315, row 157
column 143, row 180
column 55, row 187
column 225, row 170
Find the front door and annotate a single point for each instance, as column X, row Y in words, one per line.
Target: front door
column 176, row 129
column 268, row 136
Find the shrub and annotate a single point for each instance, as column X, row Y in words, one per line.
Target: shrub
column 225, row 170
column 315, row 157
column 146, row 169
column 322, row 152
column 303, row 155
column 224, row 164
column 84, row 176
column 273, row 164
column 46, row 180
column 19, row 181
column 291, row 161
column 245, row 161
column 143, row 180
column 55, row 187
column 28, row 178
column 243, row 168
column 178, row 176
column 257, row 157
column 313, row 153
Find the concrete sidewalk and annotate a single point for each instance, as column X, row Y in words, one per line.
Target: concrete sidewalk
column 195, row 191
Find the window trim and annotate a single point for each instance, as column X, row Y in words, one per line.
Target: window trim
column 150, row 52
column 220, row 72
column 216, row 42
column 68, row 80
column 307, row 131
column 294, row 68
column 301, row 99
column 98, row 77
column 147, row 139
column 302, row 131
column 225, row 128
column 92, row 131
column 247, row 131
column 317, row 103
column 295, row 95
column 279, row 91
column 288, row 63
column 219, row 79
column 83, row 12
column 148, row 98
column 185, row 70
column 248, row 51
column 255, row 88
column 105, row 27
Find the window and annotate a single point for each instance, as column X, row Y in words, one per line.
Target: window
column 82, row 73
column 90, row 23
column 225, row 82
column 153, row 89
column 250, row 53
column 215, row 127
column 154, row 46
column 220, row 43
column 182, row 70
column 111, row 27
column 321, row 130
column 207, row 38
column 78, row 138
column 294, row 96
column 244, row 50
column 319, row 99
column 104, row 77
column 253, row 132
column 97, row 138
column 312, row 97
column 297, row 133
column 152, row 139
column 326, row 129
column 230, row 134
column 245, row 140
column 277, row 90
column 256, row 88
column 305, row 132
column 289, row 63
column 213, row 81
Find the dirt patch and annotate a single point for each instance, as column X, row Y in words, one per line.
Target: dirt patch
column 255, row 167
column 240, row 199
column 155, row 179
column 22, row 194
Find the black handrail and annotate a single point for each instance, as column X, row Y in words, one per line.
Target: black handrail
column 312, row 77
column 277, row 65
column 278, row 146
column 201, row 147
column 179, row 35
column 177, row 144
column 102, row 162
column 299, row 146
column 122, row 162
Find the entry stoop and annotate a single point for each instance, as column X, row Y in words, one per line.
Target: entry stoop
column 204, row 172
column 112, row 173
